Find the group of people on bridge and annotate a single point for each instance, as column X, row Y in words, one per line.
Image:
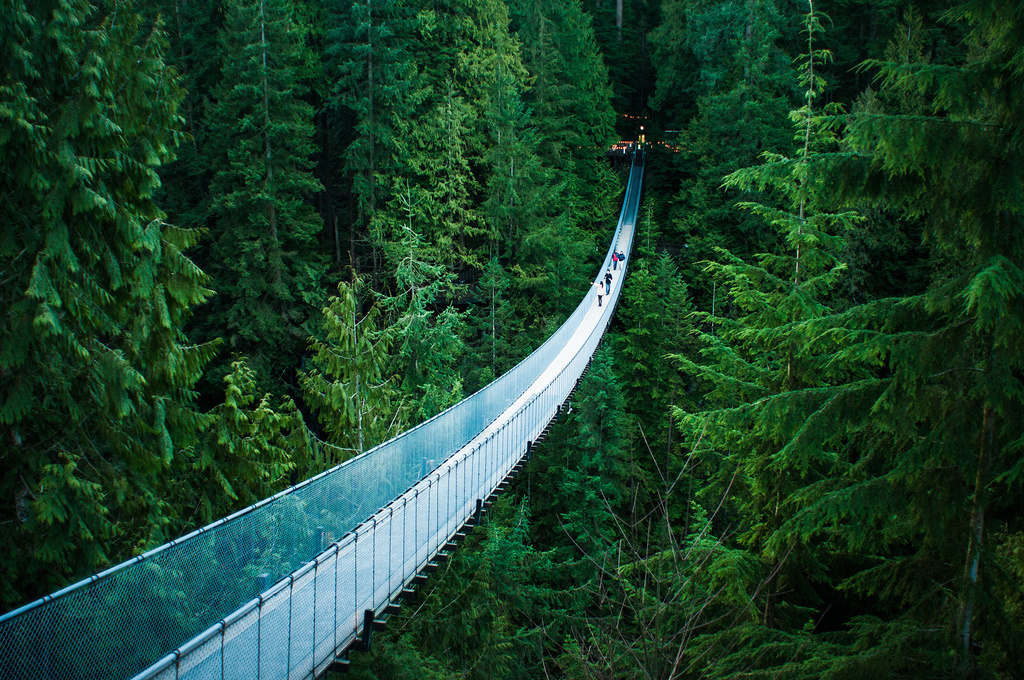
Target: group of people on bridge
column 604, row 284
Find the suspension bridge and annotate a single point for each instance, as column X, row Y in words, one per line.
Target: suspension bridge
column 285, row 588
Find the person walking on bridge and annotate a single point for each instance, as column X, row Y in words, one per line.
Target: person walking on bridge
column 608, row 282
column 615, row 260
column 600, row 291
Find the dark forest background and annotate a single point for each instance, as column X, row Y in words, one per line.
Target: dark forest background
column 230, row 226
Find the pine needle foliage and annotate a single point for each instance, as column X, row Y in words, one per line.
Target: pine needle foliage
column 653, row 320
column 726, row 82
column 945, row 149
column 266, row 262
column 369, row 61
column 96, row 374
column 883, row 441
column 348, row 382
column 494, row 343
column 426, row 340
column 250, row 452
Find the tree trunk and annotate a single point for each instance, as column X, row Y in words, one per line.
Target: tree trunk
column 337, row 244
column 370, row 94
column 275, row 246
column 973, row 562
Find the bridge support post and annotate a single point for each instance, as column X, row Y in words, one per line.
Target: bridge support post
column 479, row 511
column 367, row 629
column 529, row 449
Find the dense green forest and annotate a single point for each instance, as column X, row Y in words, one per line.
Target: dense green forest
column 232, row 228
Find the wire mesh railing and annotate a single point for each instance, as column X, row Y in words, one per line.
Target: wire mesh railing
column 274, row 590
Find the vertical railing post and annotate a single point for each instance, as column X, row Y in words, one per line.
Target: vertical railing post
column 437, row 519
column 291, row 602
column 316, row 569
column 416, row 530
column 367, row 629
column 448, row 500
column 355, row 572
column 391, row 526
column 373, row 560
column 259, row 638
column 337, row 559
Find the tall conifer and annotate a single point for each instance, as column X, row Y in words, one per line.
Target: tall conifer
column 94, row 370
column 265, row 262
column 953, row 399
column 726, row 82
column 369, row 59
column 348, row 382
column 892, row 463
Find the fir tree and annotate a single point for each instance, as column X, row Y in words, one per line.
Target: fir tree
column 767, row 430
column 954, row 352
column 730, row 111
column 348, row 383
column 495, row 329
column 443, row 162
column 95, row 371
column 369, row 59
column 570, row 97
column 192, row 30
column 266, row 264
column 888, row 470
column 653, row 321
column 427, row 341
column 583, row 483
column 250, row 452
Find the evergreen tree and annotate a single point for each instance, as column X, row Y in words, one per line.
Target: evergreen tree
column 442, row 160
column 531, row 230
column 348, row 383
column 765, row 430
column 250, row 452
column 595, row 483
column 264, row 253
column 582, row 484
column 954, row 353
column 193, row 49
column 369, row 58
column 653, row 321
column 95, row 371
column 570, row 98
column 427, row 341
column 730, row 110
column 889, row 462
column 495, row 330
column 512, row 163
column 621, row 30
